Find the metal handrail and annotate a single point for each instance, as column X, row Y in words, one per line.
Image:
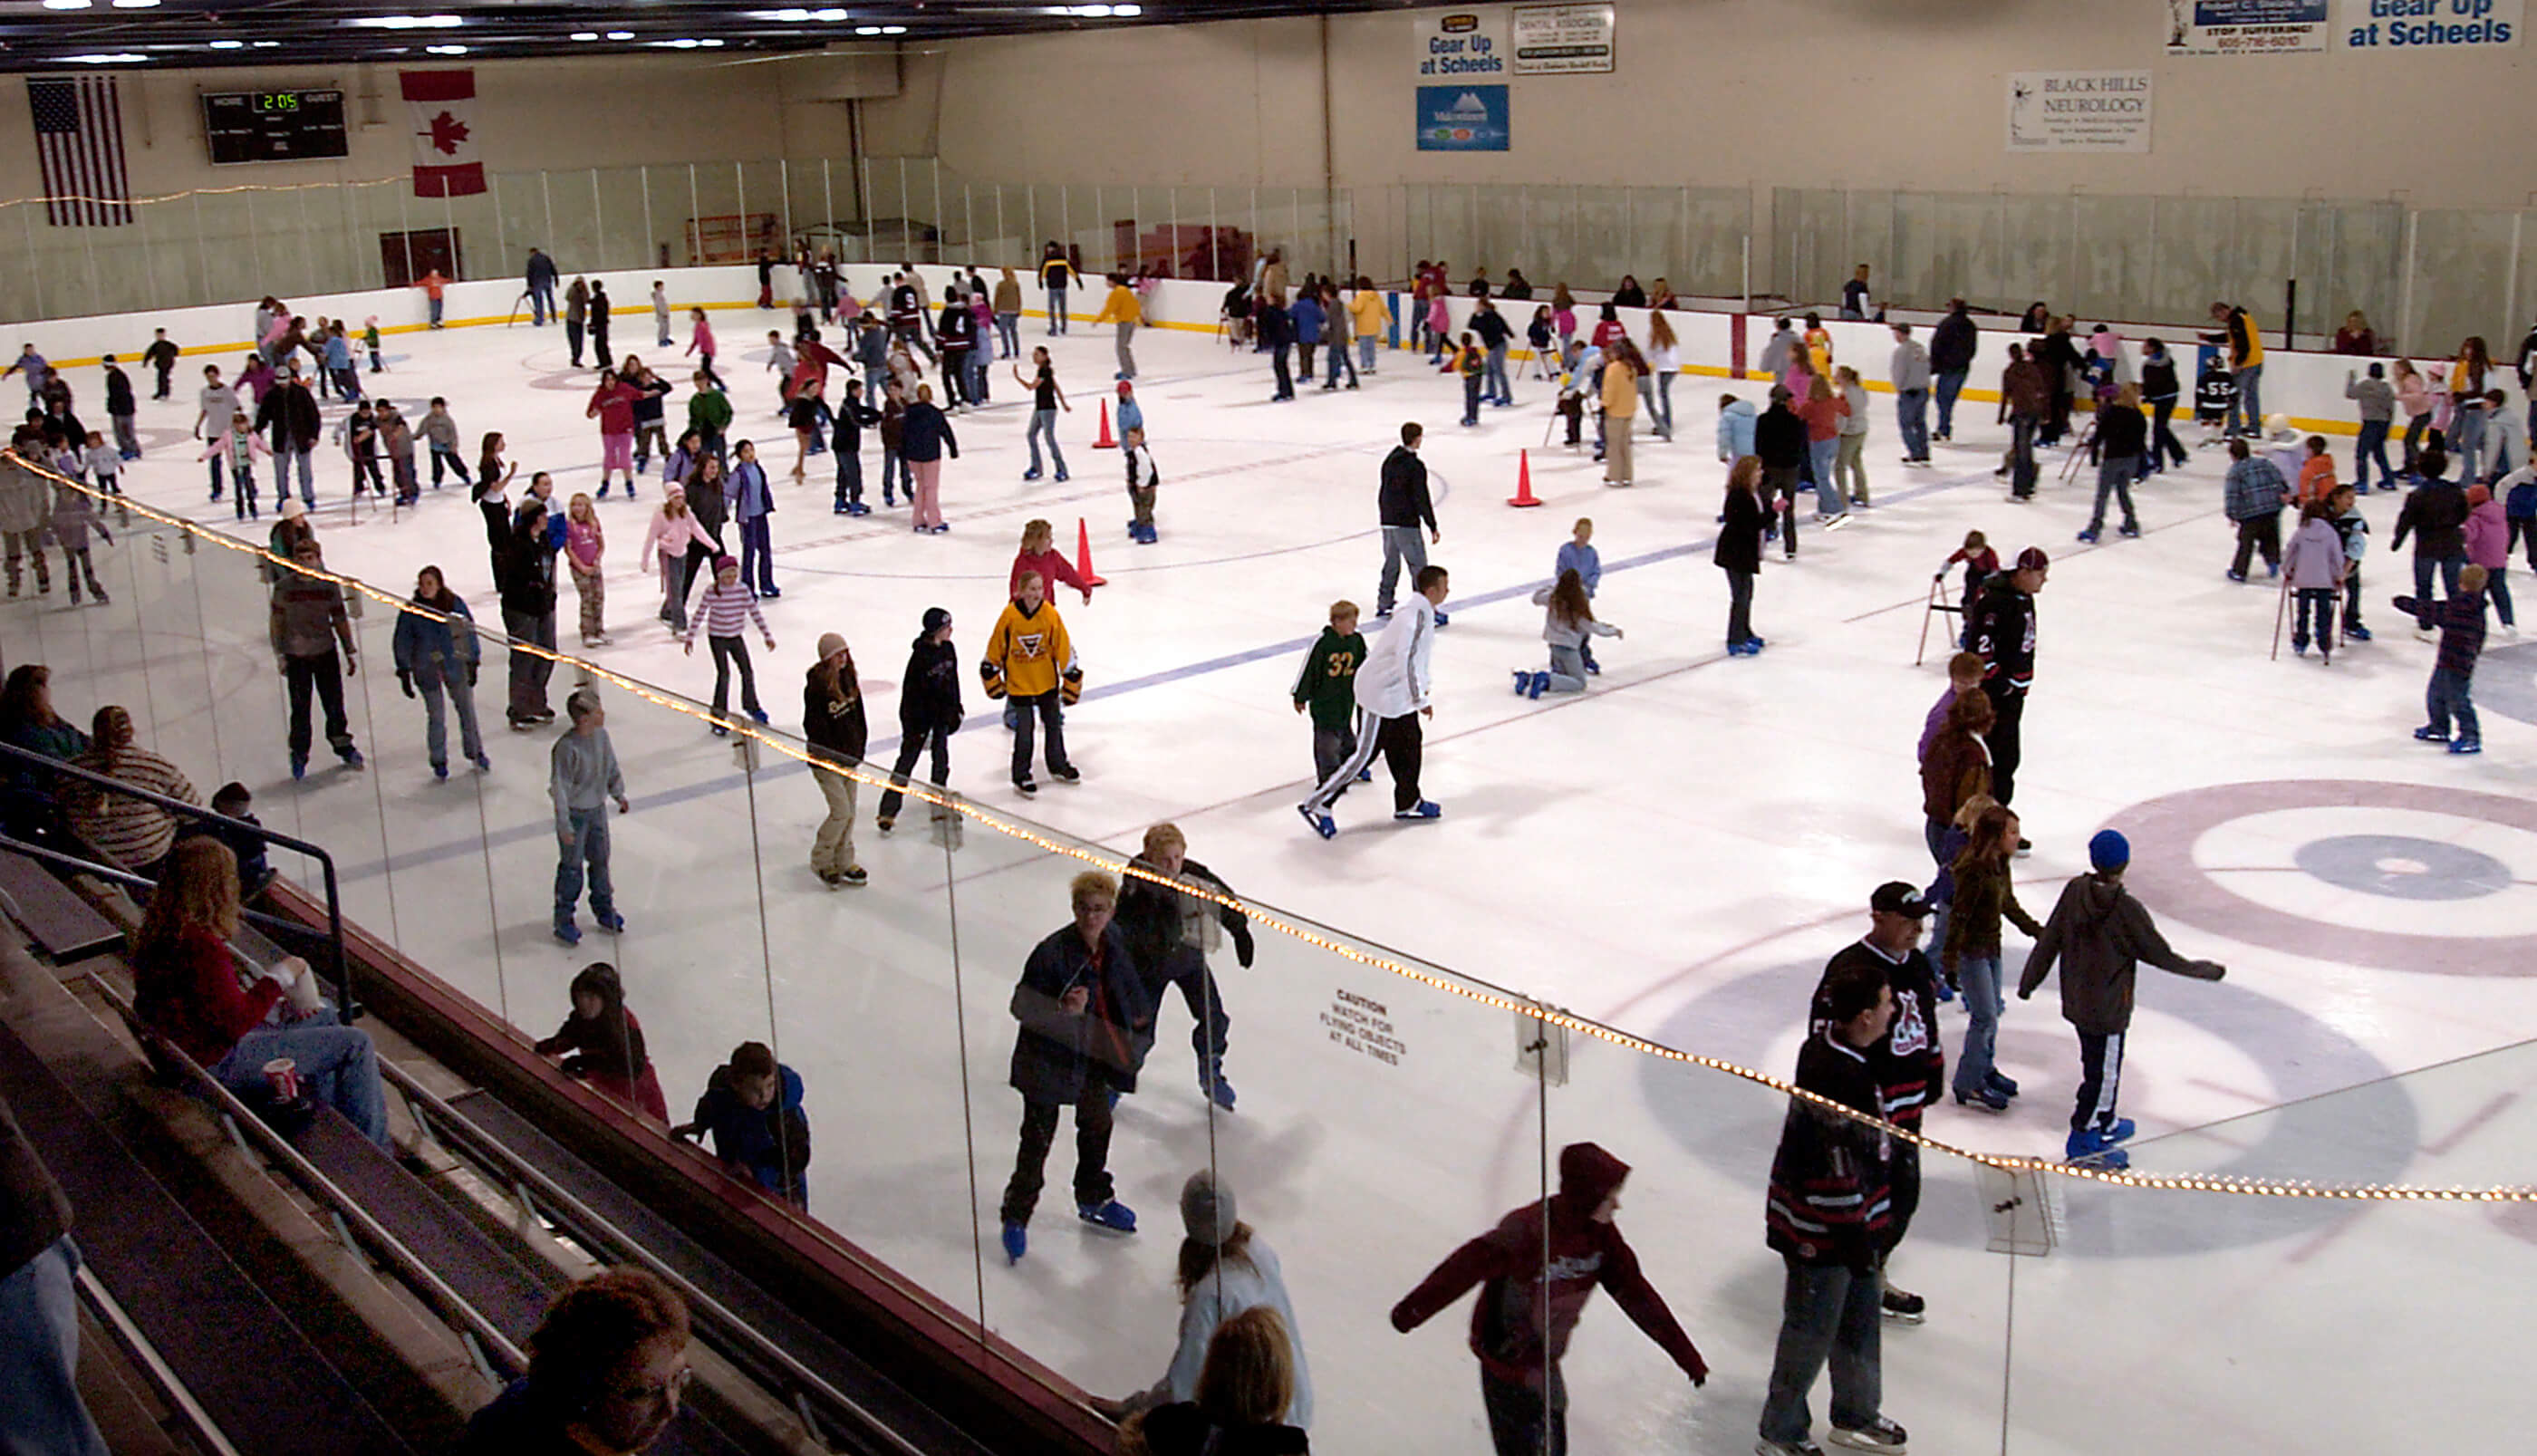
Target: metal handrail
column 195, row 812
column 592, row 1227
column 447, row 1302
column 200, row 1427
column 129, row 880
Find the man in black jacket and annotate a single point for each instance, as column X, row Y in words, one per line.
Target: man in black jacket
column 2434, row 515
column 541, row 286
column 1951, row 358
column 599, row 326
column 2003, row 633
column 1780, row 442
column 524, row 574
column 929, row 710
column 161, row 356
column 1277, row 336
column 1169, row 933
column 1404, row 508
column 1494, row 334
column 289, row 412
column 120, row 408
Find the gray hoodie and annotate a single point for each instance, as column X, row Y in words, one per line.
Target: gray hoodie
column 584, row 776
column 1910, row 367
column 2377, row 398
column 2100, row 935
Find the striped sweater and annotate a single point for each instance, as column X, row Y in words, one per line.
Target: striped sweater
column 128, row 831
column 724, row 609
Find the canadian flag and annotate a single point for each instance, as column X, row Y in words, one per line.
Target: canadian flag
column 446, row 160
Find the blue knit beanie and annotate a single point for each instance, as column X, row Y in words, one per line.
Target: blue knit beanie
column 2109, row 850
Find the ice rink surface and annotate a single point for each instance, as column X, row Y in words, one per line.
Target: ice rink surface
column 1676, row 852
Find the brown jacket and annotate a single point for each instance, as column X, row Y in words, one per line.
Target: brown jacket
column 1957, row 768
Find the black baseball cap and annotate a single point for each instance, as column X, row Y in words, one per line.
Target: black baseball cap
column 1895, row 897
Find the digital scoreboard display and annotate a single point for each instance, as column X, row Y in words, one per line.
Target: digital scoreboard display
column 274, row 125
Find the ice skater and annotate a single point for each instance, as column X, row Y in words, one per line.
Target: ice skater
column 2461, row 619
column 1143, row 478
column 582, row 776
column 726, row 607
column 1568, row 621
column 1327, row 688
column 2099, row 934
column 1403, row 507
column 1535, row 1272
column 929, row 712
column 1173, row 922
column 1392, row 691
column 1030, row 659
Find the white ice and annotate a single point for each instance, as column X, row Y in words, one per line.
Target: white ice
column 1674, row 852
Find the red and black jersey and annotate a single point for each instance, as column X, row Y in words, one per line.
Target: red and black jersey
column 2003, row 633
column 1832, row 1179
column 1909, row 1060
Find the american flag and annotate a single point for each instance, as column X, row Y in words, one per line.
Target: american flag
column 79, row 135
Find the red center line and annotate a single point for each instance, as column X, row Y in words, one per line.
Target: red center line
column 2460, row 1133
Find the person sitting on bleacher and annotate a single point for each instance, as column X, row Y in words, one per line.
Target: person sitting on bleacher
column 27, row 721
column 188, row 990
column 134, row 834
column 607, row 1367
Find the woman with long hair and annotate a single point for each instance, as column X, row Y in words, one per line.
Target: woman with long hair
column 2414, row 396
column 1740, row 552
column 132, row 832
column 1663, row 363
column 1563, row 316
column 1226, row 1269
column 1568, row 621
column 27, row 721
column 1246, row 1384
column 2466, row 399
column 1972, row 953
column 189, row 990
column 834, row 724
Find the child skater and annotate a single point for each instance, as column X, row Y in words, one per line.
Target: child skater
column 2313, row 566
column 583, row 544
column 1566, row 626
column 1141, row 480
column 1981, row 565
column 1327, row 687
column 105, row 467
column 1578, row 553
column 2461, row 619
column 727, row 605
column 602, row 1043
column 237, row 446
column 73, row 517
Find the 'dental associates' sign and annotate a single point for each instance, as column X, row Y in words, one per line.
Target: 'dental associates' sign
column 2078, row 111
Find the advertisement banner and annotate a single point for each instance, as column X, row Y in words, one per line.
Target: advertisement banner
column 2078, row 110
column 1462, row 118
column 1562, row 39
column 2426, row 27
column 2247, row 27
column 1465, row 43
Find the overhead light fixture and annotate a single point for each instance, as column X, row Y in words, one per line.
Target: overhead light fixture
column 620, row 35
column 788, row 17
column 228, row 45
column 831, row 15
column 867, row 30
column 265, row 44
column 120, row 58
column 585, row 35
column 893, row 30
column 709, row 42
column 136, row 4
column 447, row 49
column 407, row 22
column 67, row 4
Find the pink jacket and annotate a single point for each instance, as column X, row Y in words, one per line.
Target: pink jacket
column 2488, row 536
column 2415, row 394
column 672, row 536
column 702, row 341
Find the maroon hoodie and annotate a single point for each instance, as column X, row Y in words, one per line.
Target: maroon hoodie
column 1512, row 1332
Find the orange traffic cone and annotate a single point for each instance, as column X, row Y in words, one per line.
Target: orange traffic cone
column 1083, row 558
column 1105, row 442
column 1524, row 481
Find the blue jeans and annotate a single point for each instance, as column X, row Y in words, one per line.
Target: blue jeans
column 1827, row 496
column 1950, row 384
column 1057, row 310
column 339, row 1064
column 2424, row 565
column 2372, row 447
column 436, row 311
column 1339, row 360
column 542, row 305
column 2466, row 442
column 430, row 679
column 1978, row 977
column 894, row 468
column 1911, row 418
column 1827, row 1312
column 1009, row 334
column 2248, row 403
column 757, row 554
column 1496, row 387
column 2497, row 589
column 1664, row 401
column 1044, row 421
column 2114, row 477
column 1365, row 351
column 283, row 455
column 584, row 841
column 2450, row 696
column 39, row 1400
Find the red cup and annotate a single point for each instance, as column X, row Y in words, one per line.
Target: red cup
column 282, row 1074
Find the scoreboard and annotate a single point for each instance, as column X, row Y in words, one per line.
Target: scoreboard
column 274, row 125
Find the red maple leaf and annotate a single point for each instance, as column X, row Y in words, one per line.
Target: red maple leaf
column 446, row 133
